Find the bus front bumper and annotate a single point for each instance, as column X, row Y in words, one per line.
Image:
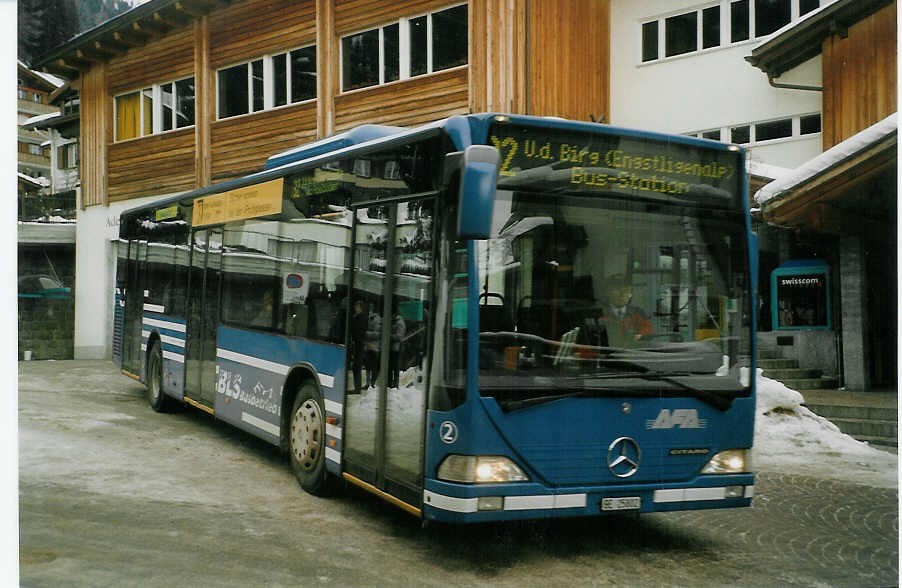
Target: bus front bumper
column 467, row 503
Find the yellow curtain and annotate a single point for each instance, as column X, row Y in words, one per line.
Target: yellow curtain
column 127, row 116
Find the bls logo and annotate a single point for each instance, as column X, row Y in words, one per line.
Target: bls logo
column 684, row 418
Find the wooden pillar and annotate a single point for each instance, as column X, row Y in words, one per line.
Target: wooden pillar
column 326, row 67
column 497, row 55
column 93, row 139
column 205, row 105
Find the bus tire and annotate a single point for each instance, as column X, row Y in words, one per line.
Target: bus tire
column 155, row 395
column 307, row 441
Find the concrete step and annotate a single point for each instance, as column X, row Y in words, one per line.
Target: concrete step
column 833, row 411
column 777, row 364
column 785, row 374
column 823, row 383
column 886, row 443
column 867, row 428
column 768, row 354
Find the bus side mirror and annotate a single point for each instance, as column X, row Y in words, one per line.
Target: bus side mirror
column 478, row 178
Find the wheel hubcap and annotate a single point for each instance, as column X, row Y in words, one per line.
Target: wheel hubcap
column 307, row 434
column 154, row 380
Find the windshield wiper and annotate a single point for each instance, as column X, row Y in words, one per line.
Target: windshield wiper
column 718, row 391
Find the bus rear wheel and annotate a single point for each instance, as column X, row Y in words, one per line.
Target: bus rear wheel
column 307, row 441
column 155, row 395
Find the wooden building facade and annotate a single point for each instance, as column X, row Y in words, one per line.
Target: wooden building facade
column 163, row 89
column 841, row 207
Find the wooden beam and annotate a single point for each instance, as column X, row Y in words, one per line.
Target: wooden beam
column 127, row 40
column 80, row 55
column 143, row 33
column 189, row 9
column 166, row 22
column 105, row 50
column 64, row 65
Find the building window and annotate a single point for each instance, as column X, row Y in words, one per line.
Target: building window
column 67, row 156
column 449, row 38
column 407, row 48
column 700, row 29
column 775, row 129
column 153, row 110
column 771, row 15
column 35, row 149
column 810, row 124
column 360, row 60
column 768, row 130
column 650, row 41
column 740, row 135
column 233, row 90
column 739, row 21
column 806, row 6
column 711, row 27
column 680, row 34
column 268, row 82
column 71, row 106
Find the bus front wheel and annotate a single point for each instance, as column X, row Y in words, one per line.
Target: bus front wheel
column 307, row 441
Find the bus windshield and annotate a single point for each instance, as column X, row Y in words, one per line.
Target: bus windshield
column 632, row 283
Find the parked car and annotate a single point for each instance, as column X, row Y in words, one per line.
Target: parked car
column 43, row 286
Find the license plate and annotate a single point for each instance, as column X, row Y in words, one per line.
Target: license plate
column 621, row 503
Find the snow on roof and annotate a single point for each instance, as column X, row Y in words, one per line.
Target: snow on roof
column 41, row 118
column 765, row 170
column 789, row 438
column 829, row 158
column 39, row 182
column 49, row 78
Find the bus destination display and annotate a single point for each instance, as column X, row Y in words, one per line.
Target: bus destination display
column 584, row 162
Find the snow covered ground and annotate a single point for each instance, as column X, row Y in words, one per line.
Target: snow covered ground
column 791, row 439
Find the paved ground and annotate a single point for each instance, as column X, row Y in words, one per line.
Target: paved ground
column 113, row 494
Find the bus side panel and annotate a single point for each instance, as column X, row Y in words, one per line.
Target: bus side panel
column 171, row 333
column 251, row 368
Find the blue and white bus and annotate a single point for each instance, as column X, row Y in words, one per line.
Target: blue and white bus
column 486, row 318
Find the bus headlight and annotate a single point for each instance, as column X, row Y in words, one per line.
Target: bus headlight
column 480, row 469
column 731, row 461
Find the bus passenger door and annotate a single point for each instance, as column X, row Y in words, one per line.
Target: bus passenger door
column 203, row 315
column 134, row 307
column 392, row 287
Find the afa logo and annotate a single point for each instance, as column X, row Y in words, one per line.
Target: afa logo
column 683, row 418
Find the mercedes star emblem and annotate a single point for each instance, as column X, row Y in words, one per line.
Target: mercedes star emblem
column 624, row 457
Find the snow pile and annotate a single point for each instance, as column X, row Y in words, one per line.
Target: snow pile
column 791, row 439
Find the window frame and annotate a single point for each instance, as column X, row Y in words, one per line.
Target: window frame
column 156, row 97
column 795, row 123
column 269, row 81
column 726, row 28
column 404, row 48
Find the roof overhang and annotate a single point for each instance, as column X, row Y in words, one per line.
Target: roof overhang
column 796, row 43
column 843, row 189
column 121, row 33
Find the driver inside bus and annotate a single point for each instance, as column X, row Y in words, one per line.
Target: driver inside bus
column 621, row 323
